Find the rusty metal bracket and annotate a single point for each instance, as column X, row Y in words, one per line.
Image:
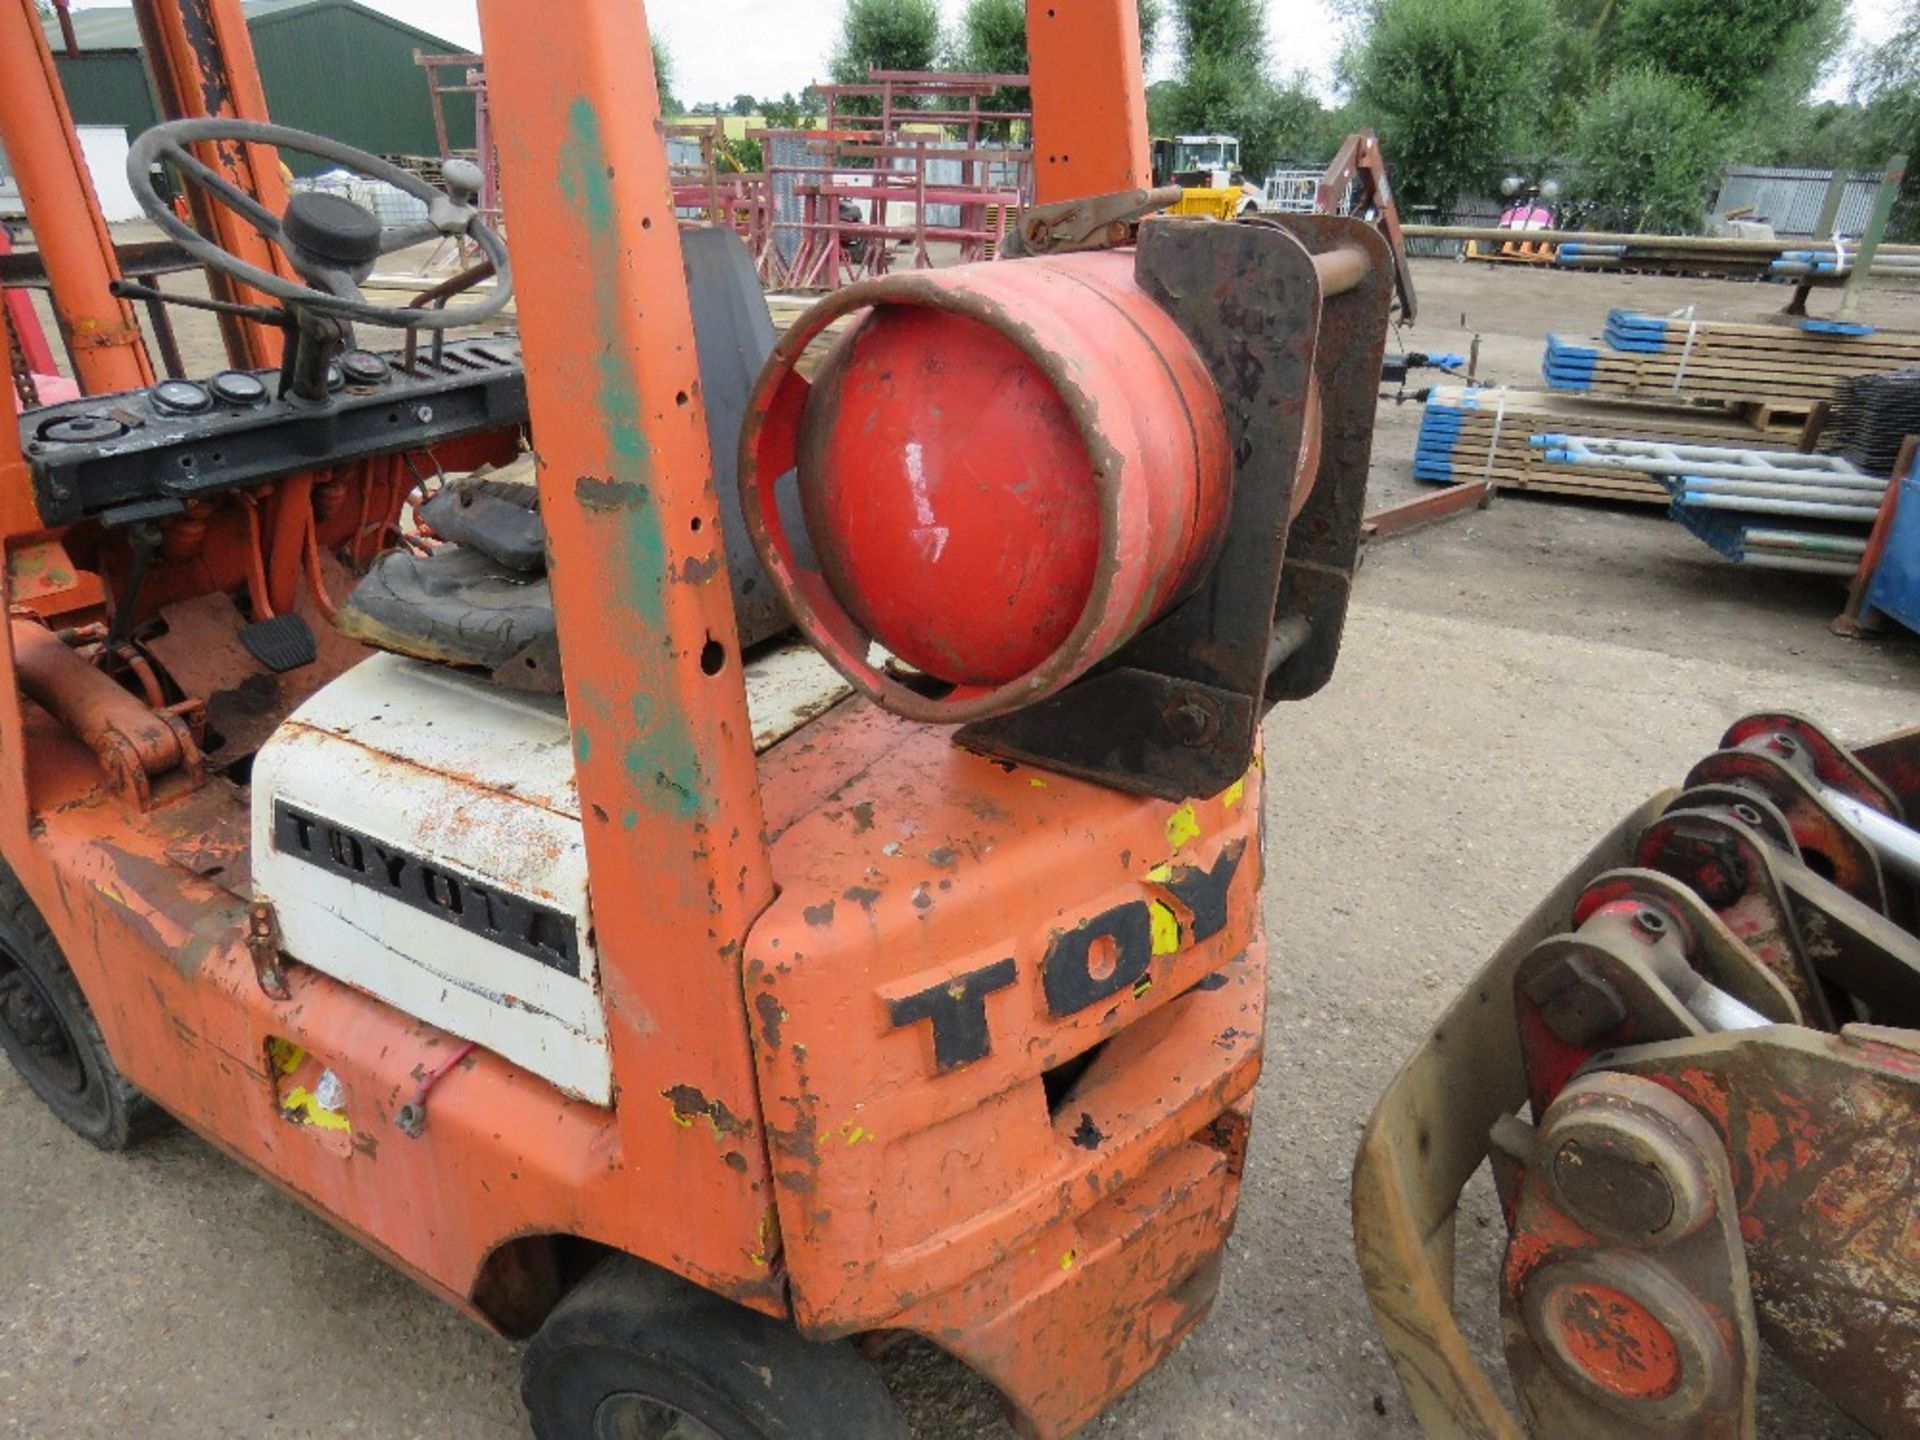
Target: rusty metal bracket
column 1625, row 1300
column 263, row 943
column 1822, row 1131
column 1097, row 222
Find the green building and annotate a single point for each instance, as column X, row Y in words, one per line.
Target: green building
column 334, row 67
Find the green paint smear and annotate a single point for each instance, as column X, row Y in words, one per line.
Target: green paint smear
column 661, row 759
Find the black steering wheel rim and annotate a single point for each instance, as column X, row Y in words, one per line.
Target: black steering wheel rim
column 169, row 141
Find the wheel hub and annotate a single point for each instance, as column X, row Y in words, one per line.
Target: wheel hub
column 631, row 1416
column 32, row 1020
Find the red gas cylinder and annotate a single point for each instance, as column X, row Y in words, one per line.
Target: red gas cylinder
column 1005, row 472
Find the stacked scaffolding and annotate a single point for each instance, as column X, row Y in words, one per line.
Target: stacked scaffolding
column 904, row 164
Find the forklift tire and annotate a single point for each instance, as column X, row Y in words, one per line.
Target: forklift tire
column 636, row 1353
column 48, row 1031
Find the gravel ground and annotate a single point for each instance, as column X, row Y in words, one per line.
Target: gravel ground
column 1512, row 683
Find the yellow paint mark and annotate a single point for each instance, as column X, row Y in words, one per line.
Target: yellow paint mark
column 1236, row 792
column 300, row 1105
column 286, row 1056
column 857, row 1134
column 1142, row 986
column 1182, row 826
column 1166, row 928
column 1036, row 782
column 1066, row 1260
column 685, row 1122
column 1160, row 874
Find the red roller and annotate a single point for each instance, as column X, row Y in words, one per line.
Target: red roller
column 1005, row 471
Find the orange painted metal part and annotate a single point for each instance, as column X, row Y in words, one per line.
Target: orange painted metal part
column 201, row 58
column 1089, row 99
column 134, row 743
column 43, row 150
column 1049, row 1209
column 654, row 687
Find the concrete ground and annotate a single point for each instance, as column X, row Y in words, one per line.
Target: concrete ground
column 1512, row 683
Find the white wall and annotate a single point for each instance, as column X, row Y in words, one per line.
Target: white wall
column 105, row 149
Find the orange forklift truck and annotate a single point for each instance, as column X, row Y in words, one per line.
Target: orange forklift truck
column 505, row 790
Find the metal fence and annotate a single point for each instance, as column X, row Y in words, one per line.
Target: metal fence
column 1791, row 200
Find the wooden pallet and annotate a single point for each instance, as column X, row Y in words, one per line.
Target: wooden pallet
column 1780, row 370
column 1488, row 435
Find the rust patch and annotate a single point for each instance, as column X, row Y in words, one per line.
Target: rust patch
column 690, row 1104
column 818, row 915
column 862, row 816
column 770, row 1016
column 863, row 896
column 609, row 495
column 943, row 858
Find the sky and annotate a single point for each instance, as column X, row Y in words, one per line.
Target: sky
column 722, row 48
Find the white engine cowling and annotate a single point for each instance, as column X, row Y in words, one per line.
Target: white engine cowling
column 418, row 833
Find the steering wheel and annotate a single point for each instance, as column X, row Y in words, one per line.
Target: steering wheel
column 331, row 242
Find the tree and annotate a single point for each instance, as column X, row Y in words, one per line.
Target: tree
column 663, row 75
column 1226, row 30
column 1455, row 87
column 1224, row 87
column 1151, row 14
column 1888, row 84
column 886, row 35
column 1734, row 52
column 1647, row 151
column 787, row 113
column 744, row 105
column 992, row 40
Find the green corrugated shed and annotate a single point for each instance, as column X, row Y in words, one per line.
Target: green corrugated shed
column 108, row 87
column 331, row 66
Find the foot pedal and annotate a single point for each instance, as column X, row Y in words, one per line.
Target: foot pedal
column 283, row 643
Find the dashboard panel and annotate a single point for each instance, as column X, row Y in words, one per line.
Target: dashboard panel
column 145, row 454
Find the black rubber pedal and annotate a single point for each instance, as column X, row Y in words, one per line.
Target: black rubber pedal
column 283, row 643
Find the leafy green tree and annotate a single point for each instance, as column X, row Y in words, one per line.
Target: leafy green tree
column 1455, row 87
column 1889, row 85
column 786, row 113
column 886, row 35
column 1647, row 151
column 1224, row 88
column 1734, row 52
column 992, row 39
column 1221, row 30
column 1151, row 14
column 663, row 74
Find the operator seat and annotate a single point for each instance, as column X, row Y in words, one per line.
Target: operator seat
column 482, row 601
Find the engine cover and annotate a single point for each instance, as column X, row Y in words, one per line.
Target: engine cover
column 418, row 832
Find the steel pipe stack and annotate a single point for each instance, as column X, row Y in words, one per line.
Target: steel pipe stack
column 1810, row 513
column 1469, row 435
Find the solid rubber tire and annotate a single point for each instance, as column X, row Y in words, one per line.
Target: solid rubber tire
column 631, row 1327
